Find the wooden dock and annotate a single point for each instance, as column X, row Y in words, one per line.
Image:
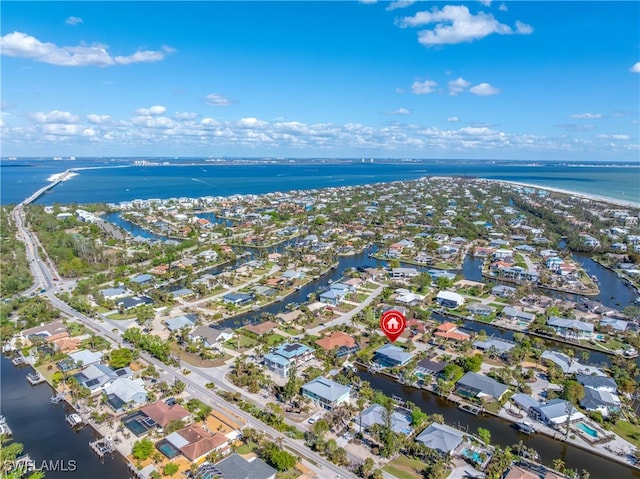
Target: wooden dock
column 35, row 378
column 102, row 447
column 18, row 360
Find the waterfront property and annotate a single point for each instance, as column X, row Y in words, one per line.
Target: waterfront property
column 479, row 386
column 429, row 367
column 499, row 347
column 342, row 343
column 570, row 365
column 98, row 376
column 391, row 356
column 193, row 442
column 326, row 392
column 557, row 412
column 138, row 423
column 571, row 328
column 162, row 413
column 441, row 438
column 124, row 393
column 449, row 299
column 449, row 330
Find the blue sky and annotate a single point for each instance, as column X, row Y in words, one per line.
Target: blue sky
column 512, row 80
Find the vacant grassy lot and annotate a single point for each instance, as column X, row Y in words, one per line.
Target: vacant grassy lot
column 405, row 468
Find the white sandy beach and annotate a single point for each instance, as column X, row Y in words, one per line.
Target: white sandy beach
column 604, row 199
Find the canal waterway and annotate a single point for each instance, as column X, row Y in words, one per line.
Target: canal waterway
column 41, row 427
column 503, row 432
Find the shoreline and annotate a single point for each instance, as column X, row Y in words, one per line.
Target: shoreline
column 586, row 196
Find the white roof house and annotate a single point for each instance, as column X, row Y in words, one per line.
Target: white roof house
column 556, row 411
column 326, row 392
column 449, row 299
column 129, row 391
column 86, row 357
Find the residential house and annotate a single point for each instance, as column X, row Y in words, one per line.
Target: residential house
column 343, row 343
column 403, row 273
column 496, row 346
column 376, row 414
column 124, row 393
column 193, row 442
column 236, row 467
column 163, row 414
column 326, row 392
column 570, row 365
column 285, row 356
column 142, row 279
column 449, row 330
column 185, row 321
column 429, row 367
column 480, row 386
column 556, row 412
column 441, row 438
column 84, row 357
column 391, row 356
column 600, row 393
column 237, row 299
column 114, row 293
column 261, row 328
column 211, row 337
column 571, row 328
column 503, row 291
column 516, row 314
column 481, row 309
column 96, row 377
column 449, row 299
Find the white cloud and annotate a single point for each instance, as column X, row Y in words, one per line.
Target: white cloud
column 54, row 117
column 523, row 28
column 154, row 110
column 453, row 119
column 458, row 86
column 486, row 3
column 216, row 99
column 21, row 45
column 614, row 137
column 98, row 119
column 185, row 115
column 400, row 4
column 586, row 116
column 455, row 24
column 368, row 1
column 503, row 7
column 421, row 88
column 401, row 111
column 484, row 89
column 635, row 68
column 74, row 21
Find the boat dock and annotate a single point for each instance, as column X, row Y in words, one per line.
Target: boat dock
column 57, row 398
column 102, row 447
column 18, row 360
column 4, row 427
column 526, row 427
column 470, row 408
column 74, row 420
column 35, row 378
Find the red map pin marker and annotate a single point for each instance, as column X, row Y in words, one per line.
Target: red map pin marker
column 392, row 324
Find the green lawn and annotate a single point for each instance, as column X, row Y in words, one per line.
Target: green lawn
column 245, row 342
column 405, row 468
column 628, row 431
column 274, row 338
column 246, row 448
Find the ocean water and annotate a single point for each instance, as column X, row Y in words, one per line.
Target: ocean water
column 109, row 181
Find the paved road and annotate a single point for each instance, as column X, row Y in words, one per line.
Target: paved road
column 44, row 280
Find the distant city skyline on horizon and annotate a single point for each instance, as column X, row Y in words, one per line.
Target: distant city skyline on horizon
column 483, row 80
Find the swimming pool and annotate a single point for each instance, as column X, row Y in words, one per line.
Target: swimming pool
column 473, row 455
column 168, row 449
column 587, row 429
column 138, row 423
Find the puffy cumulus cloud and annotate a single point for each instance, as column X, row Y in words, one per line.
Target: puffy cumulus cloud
column 55, row 116
column 98, row 119
column 216, row 99
column 154, row 110
column 196, row 134
column 422, row 88
column 74, row 21
column 21, row 45
column 185, row 115
column 458, row 86
column 455, row 24
column 484, row 89
column 635, row 68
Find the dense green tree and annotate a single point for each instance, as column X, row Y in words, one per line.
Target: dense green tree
column 120, row 358
column 142, row 449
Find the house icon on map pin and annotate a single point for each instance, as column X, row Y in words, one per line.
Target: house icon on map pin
column 393, row 324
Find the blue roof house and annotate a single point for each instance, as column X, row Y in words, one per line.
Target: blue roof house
column 326, row 393
column 391, row 356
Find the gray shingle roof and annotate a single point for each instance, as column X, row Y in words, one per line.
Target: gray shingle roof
column 482, row 384
column 440, row 437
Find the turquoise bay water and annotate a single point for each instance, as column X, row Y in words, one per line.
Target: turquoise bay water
column 108, row 184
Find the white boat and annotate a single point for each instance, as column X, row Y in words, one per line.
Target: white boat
column 74, row 419
column 4, row 427
column 526, row 427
